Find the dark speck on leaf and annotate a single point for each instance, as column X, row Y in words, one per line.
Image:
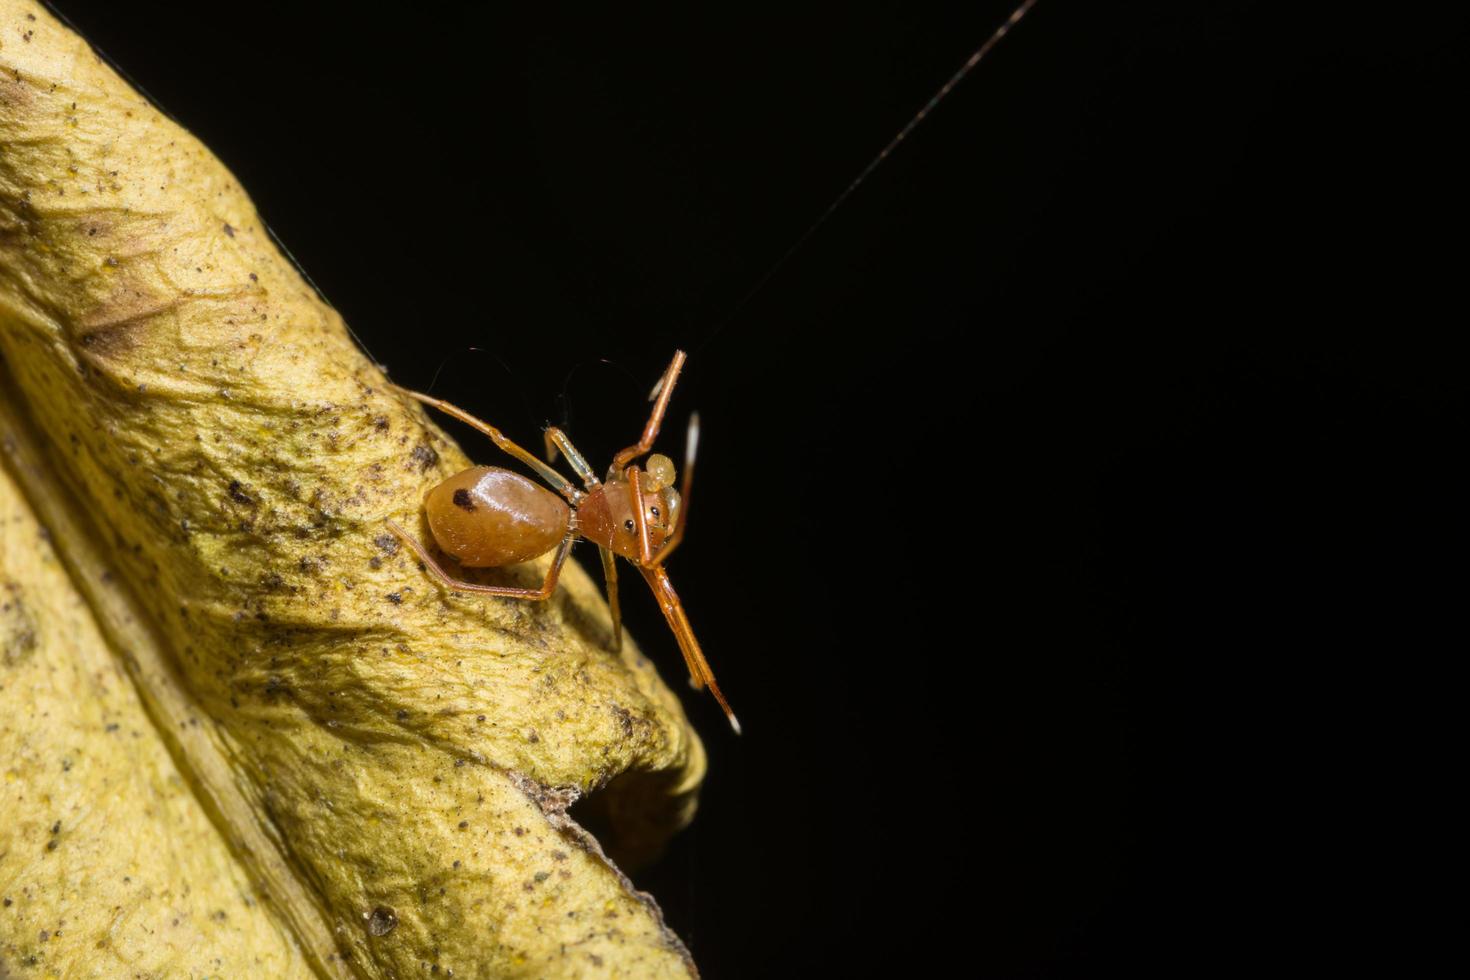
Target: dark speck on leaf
column 386, row 543
column 238, row 494
column 424, row 457
column 229, row 231
column 395, row 598
column 463, row 824
column 382, row 921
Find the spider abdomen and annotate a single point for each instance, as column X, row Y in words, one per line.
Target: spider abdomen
column 486, row 517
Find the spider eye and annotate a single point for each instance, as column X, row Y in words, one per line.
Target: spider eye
column 628, row 524
column 653, row 511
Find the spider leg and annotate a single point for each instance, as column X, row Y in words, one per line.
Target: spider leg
column 662, row 394
column 454, row 585
column 547, row 473
column 640, row 517
column 557, row 439
column 610, row 574
column 700, row 673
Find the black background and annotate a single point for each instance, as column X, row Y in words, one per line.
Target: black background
column 1078, row 519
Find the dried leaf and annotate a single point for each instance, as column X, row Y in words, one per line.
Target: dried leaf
column 386, row 765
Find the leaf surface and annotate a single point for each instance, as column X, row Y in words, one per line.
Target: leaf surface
column 381, row 768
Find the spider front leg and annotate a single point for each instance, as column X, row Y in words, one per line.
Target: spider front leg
column 640, row 516
column 700, row 673
column 662, row 393
column 454, row 585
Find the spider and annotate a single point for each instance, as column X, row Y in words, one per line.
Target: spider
column 488, row 517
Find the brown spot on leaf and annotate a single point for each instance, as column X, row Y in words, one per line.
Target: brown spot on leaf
column 116, row 324
column 17, row 628
column 381, row 921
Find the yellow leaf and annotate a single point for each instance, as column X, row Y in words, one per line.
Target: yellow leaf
column 323, row 762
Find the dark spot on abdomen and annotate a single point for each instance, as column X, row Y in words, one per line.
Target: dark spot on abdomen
column 462, row 500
